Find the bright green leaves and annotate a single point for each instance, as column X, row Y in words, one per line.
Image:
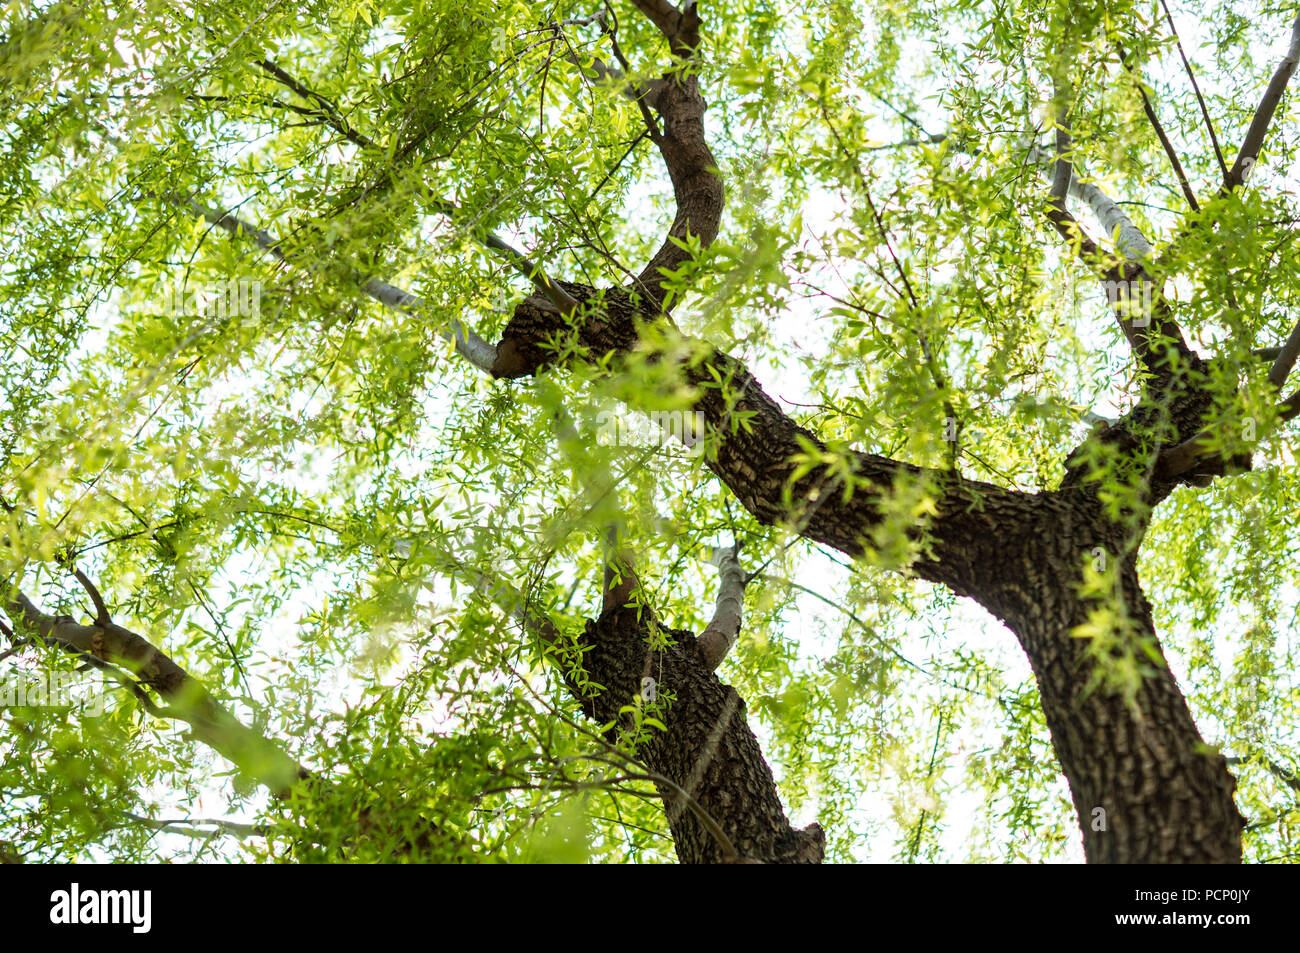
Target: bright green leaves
column 312, row 506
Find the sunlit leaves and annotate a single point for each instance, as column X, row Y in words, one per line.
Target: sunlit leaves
column 307, row 506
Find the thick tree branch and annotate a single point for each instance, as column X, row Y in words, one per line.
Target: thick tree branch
column 697, row 189
column 1289, row 409
column 707, row 764
column 621, row 580
column 1248, row 154
column 680, row 27
column 102, row 617
column 116, row 649
column 757, row 450
column 189, row 826
column 1058, row 214
column 1131, row 243
column 1140, row 309
column 1203, row 448
column 1286, row 358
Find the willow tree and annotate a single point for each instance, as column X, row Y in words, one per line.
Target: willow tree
column 808, row 319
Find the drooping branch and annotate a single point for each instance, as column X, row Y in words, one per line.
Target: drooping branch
column 328, row 113
column 478, row 351
column 321, row 106
column 188, row 699
column 1248, row 154
column 1202, row 447
column 1196, row 88
column 642, row 93
column 1160, row 133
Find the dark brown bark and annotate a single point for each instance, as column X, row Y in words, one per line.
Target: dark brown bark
column 708, row 750
column 696, row 187
column 1140, row 759
column 1163, row 797
column 1166, row 796
column 1020, row 555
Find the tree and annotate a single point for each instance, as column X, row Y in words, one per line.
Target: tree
column 378, row 588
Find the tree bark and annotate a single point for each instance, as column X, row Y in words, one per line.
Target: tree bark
column 1165, row 795
column 708, row 762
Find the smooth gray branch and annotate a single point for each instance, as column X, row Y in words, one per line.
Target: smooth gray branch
column 1248, row 155
column 478, row 351
column 721, row 633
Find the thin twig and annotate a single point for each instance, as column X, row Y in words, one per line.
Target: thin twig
column 1205, row 112
column 1160, row 132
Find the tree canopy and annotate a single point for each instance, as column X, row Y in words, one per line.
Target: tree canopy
column 606, row 430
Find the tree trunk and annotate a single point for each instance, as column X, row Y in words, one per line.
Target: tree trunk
column 718, row 792
column 1164, row 795
column 1147, row 789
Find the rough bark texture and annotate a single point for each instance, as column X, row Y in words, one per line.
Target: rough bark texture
column 1166, row 797
column 708, row 750
column 697, row 190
